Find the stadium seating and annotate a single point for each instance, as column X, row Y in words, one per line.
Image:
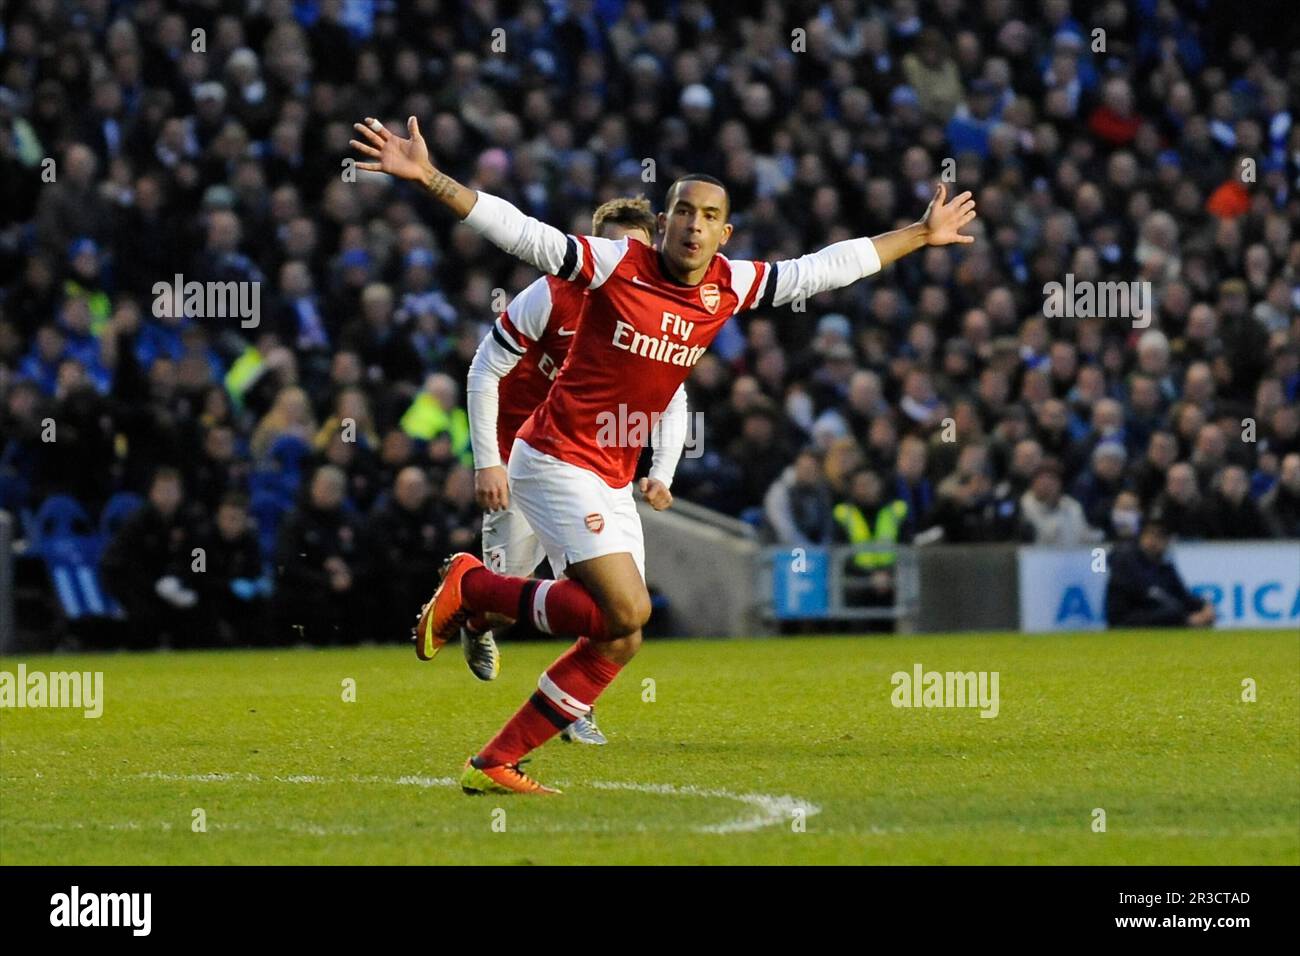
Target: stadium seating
column 66, row 540
column 117, row 510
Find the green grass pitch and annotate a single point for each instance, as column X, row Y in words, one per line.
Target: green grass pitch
column 782, row 750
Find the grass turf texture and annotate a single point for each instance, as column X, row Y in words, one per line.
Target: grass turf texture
column 1150, row 727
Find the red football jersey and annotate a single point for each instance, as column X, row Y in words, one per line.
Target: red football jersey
column 641, row 333
column 541, row 323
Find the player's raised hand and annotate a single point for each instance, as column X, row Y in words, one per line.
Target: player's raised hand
column 944, row 220
column 403, row 158
column 409, row 159
column 492, row 489
column 656, row 493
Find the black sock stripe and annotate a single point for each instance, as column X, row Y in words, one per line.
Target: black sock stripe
column 525, row 612
column 548, row 710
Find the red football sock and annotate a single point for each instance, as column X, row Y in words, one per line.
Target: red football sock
column 555, row 607
column 485, row 590
column 564, row 693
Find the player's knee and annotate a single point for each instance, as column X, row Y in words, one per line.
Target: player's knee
column 623, row 649
column 627, row 614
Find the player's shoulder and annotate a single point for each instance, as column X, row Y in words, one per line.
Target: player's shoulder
column 591, row 260
column 636, row 255
column 527, row 315
column 722, row 268
column 534, row 298
column 627, row 259
column 744, row 277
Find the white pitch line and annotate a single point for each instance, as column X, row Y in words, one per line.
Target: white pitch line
column 768, row 809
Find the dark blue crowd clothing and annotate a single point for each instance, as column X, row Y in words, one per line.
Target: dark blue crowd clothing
column 1146, row 593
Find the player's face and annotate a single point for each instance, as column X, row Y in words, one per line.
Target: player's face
column 694, row 226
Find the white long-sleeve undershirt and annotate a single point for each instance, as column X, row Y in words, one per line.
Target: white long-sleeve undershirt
column 550, row 250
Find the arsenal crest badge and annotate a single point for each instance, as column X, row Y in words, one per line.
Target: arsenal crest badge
column 595, row 523
column 710, row 297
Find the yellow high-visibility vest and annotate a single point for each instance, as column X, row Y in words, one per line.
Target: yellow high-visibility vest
column 243, row 373
column 889, row 519
column 426, row 419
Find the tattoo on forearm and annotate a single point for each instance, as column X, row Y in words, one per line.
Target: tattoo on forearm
column 441, row 185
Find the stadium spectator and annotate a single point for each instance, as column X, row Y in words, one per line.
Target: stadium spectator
column 1145, row 589
column 385, row 351
column 1125, row 517
column 1098, row 486
column 1233, row 515
column 219, row 468
column 966, row 512
column 911, row 484
column 233, row 585
column 1181, row 507
column 412, row 537
column 866, row 518
column 798, row 506
column 460, row 510
column 290, row 415
column 323, row 563
column 1026, row 456
column 1150, row 475
column 1281, row 505
column 74, row 205
column 149, row 568
column 435, row 412
column 1051, row 516
column 759, row 452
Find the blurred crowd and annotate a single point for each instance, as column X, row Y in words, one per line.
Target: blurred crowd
column 324, row 451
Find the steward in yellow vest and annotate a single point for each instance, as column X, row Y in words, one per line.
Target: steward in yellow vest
column 866, row 519
column 426, row 419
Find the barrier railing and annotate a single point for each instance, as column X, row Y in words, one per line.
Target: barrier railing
column 810, row 583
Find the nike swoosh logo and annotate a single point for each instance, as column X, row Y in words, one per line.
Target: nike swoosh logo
column 636, row 280
column 567, row 332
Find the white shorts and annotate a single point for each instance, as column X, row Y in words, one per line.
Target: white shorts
column 509, row 544
column 574, row 513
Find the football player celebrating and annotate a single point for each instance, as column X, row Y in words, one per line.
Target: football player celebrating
column 511, row 373
column 651, row 314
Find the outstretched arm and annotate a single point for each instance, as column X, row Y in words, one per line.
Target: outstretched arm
column 843, row 263
column 940, row 226
column 587, row 260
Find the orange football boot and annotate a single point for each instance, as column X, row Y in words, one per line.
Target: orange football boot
column 506, row 778
column 440, row 619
